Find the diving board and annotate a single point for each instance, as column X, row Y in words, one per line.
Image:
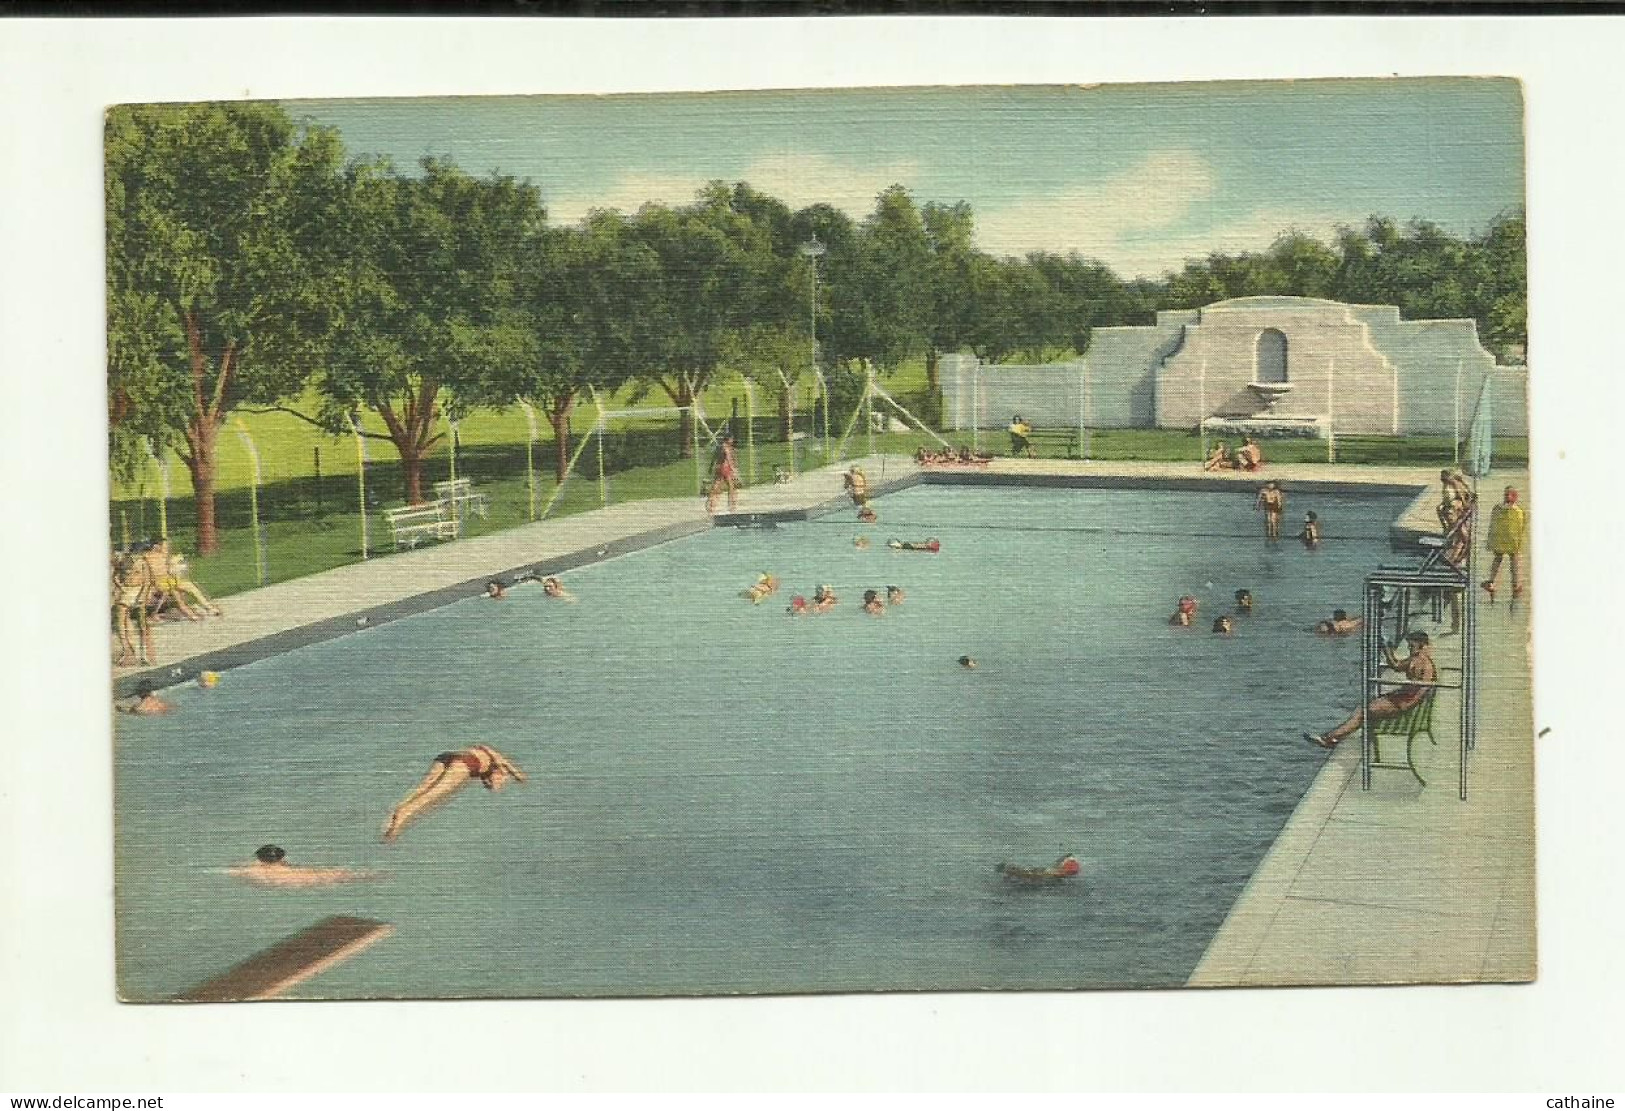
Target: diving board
column 291, row 961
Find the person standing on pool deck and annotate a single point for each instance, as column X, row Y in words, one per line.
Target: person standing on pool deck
column 1272, row 500
column 724, row 474
column 451, row 772
column 1508, row 526
column 1418, row 667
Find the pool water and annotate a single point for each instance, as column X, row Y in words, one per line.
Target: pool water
column 726, row 799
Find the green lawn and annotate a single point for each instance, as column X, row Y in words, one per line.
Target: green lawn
column 313, row 523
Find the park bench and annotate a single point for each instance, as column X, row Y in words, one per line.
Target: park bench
column 1059, row 443
column 461, row 498
column 1415, row 722
column 413, row 524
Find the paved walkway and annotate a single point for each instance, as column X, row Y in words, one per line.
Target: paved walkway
column 1406, row 883
column 1400, row 883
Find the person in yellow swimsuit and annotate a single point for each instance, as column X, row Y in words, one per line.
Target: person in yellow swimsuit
column 1508, row 528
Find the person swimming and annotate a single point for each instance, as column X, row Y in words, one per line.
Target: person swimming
column 868, row 516
column 1244, row 601
column 450, row 773
column 798, row 607
column 860, row 541
column 1224, row 625
column 765, row 586
column 872, row 605
column 495, row 590
column 1311, row 531
column 555, row 589
column 146, row 703
column 894, row 595
column 1340, row 624
column 1184, row 611
column 824, row 599
column 1063, row 869
column 271, row 868
column 931, row 545
column 968, row 663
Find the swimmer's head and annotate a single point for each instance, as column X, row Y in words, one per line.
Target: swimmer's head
column 871, row 596
column 1223, row 625
column 1310, row 516
column 1069, row 865
column 966, row 662
column 269, row 854
column 1244, row 596
column 208, row 680
column 1187, row 604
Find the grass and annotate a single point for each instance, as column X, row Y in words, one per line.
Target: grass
column 313, row 523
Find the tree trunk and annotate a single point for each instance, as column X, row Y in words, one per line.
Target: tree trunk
column 786, row 426
column 201, row 438
column 559, row 418
column 932, row 355
column 411, row 469
column 684, row 397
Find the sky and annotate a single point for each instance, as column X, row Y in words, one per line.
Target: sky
column 1140, row 177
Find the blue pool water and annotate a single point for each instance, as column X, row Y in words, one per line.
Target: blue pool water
column 724, row 799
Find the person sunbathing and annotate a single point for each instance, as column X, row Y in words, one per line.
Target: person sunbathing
column 271, row 868
column 450, row 773
column 1219, row 458
column 765, row 586
column 1250, row 457
column 1417, row 666
column 1064, row 869
column 931, row 545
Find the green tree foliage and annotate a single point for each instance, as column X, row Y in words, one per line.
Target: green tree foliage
column 432, row 326
column 220, row 252
column 880, row 286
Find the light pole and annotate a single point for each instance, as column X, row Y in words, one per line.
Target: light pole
column 814, row 250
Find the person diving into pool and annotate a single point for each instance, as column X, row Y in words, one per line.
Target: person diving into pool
column 451, row 772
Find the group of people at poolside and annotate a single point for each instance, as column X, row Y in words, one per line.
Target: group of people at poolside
column 951, row 456
column 1248, row 457
column 149, row 583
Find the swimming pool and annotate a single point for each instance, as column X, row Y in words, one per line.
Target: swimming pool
column 724, row 799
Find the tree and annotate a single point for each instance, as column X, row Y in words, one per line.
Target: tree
column 580, row 292
column 220, row 254
column 432, row 327
column 880, row 292
column 950, row 232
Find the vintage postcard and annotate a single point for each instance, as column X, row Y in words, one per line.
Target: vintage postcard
column 909, row 539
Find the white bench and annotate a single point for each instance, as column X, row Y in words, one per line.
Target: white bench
column 461, row 498
column 413, row 524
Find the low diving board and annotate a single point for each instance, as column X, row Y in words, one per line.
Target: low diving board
column 291, row 961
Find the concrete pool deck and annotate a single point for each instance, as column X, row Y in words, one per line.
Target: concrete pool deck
column 1401, row 883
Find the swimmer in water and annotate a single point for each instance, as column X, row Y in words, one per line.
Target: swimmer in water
column 1340, row 624
column 1184, row 612
column 146, row 703
column 860, row 541
column 868, row 516
column 872, row 605
column 824, row 599
column 968, row 663
column 894, row 595
column 798, row 607
column 495, row 590
column 931, row 545
column 271, row 868
column 1225, row 625
column 450, row 773
column 1311, row 531
column 1271, row 500
column 1244, row 601
column 555, row 589
column 765, row 586
column 1064, row 869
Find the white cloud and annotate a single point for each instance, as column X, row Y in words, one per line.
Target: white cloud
column 796, row 179
column 1127, row 221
